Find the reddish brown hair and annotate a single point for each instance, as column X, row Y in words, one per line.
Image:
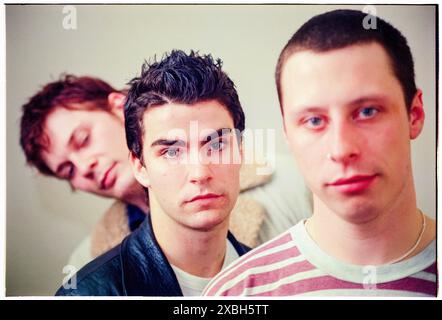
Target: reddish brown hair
column 69, row 92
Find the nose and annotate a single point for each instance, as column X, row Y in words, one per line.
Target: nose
column 344, row 144
column 86, row 166
column 199, row 173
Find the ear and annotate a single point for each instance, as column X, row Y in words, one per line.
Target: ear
column 116, row 101
column 416, row 115
column 139, row 170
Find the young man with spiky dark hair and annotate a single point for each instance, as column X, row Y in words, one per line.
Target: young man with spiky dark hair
column 73, row 129
column 183, row 119
column 350, row 108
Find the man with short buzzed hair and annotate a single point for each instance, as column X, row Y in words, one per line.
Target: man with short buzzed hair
column 350, row 108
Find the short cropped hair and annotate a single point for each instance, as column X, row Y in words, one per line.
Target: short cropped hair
column 178, row 78
column 341, row 28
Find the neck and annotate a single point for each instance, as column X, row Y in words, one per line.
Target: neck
column 385, row 236
column 198, row 252
column 137, row 197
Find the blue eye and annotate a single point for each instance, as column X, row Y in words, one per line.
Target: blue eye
column 171, row 153
column 218, row 145
column 367, row 112
column 314, row 122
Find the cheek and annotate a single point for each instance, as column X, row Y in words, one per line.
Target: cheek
column 165, row 180
column 112, row 140
column 117, row 147
column 230, row 176
column 83, row 185
column 226, row 174
column 309, row 155
column 386, row 136
column 306, row 150
column 392, row 147
column 310, row 166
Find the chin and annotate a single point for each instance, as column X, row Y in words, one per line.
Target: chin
column 105, row 194
column 358, row 213
column 208, row 219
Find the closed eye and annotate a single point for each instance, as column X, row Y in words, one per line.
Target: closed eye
column 82, row 138
column 67, row 171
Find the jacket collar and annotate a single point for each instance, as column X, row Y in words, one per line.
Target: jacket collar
column 145, row 269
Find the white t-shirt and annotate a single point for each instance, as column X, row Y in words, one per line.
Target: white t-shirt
column 192, row 285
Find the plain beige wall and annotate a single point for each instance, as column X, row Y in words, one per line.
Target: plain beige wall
column 44, row 219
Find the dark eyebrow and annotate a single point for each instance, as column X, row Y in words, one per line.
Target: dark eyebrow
column 307, row 110
column 180, row 143
column 167, row 142
column 218, row 133
column 361, row 100
column 317, row 109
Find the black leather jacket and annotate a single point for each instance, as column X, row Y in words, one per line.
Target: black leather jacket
column 136, row 267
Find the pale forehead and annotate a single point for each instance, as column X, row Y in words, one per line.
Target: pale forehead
column 176, row 120
column 371, row 53
column 337, row 74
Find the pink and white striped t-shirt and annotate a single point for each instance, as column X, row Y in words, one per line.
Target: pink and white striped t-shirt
column 293, row 264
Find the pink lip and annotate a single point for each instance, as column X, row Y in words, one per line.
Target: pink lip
column 204, row 197
column 108, row 179
column 353, row 184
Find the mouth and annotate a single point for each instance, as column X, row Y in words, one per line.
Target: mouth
column 204, row 198
column 108, row 179
column 354, row 184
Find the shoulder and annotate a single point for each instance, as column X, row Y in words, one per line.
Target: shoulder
column 261, row 265
column 100, row 277
column 110, row 230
